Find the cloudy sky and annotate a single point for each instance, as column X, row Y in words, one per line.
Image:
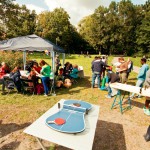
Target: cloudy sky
column 76, row 9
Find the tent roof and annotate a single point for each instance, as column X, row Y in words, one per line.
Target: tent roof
column 29, row 43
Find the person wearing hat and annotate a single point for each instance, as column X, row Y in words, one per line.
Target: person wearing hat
column 111, row 78
column 57, row 63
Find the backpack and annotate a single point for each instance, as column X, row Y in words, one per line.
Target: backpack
column 39, row 88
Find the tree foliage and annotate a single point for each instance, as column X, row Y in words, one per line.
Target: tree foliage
column 16, row 20
column 121, row 28
column 118, row 28
column 56, row 27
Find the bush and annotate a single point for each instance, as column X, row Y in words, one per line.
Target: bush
column 12, row 59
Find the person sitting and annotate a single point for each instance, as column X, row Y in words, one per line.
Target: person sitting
column 111, row 78
column 36, row 67
column 32, row 76
column 67, row 83
column 59, row 83
column 15, row 75
column 67, row 69
column 74, row 73
column 4, row 69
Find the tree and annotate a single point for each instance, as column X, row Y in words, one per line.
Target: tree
column 16, row 20
column 143, row 31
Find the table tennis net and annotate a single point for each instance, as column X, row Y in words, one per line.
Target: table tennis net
column 74, row 108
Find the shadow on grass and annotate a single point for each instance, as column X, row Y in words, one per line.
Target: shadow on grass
column 11, row 127
column 109, row 136
column 10, row 146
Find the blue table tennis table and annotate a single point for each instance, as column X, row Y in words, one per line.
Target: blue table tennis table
column 73, row 116
column 41, row 131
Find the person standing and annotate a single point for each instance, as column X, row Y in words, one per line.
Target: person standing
column 130, row 68
column 147, row 101
column 104, row 68
column 123, row 69
column 45, row 72
column 97, row 66
column 141, row 75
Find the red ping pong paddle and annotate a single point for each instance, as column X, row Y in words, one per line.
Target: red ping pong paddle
column 58, row 121
column 76, row 104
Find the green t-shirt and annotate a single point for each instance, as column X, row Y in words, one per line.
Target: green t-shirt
column 46, row 70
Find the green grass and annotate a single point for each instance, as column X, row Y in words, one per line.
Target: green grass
column 21, row 109
column 27, row 107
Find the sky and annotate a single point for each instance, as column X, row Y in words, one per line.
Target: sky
column 77, row 9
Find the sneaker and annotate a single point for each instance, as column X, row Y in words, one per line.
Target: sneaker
column 147, row 112
column 45, row 95
column 107, row 96
column 144, row 108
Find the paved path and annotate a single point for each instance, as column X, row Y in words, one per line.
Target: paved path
column 135, row 68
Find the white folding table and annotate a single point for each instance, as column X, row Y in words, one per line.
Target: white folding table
column 79, row 141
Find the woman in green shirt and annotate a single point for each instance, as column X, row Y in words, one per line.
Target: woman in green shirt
column 45, row 72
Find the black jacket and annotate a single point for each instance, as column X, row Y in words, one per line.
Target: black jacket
column 98, row 65
column 112, row 77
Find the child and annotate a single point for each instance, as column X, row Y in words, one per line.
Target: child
column 74, row 73
column 67, row 83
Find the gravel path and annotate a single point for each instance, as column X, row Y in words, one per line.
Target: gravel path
column 135, row 68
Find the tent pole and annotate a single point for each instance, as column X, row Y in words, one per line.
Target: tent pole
column 63, row 60
column 53, row 69
column 24, row 60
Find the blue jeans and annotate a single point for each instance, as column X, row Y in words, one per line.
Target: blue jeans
column 139, row 83
column 94, row 75
column 45, row 81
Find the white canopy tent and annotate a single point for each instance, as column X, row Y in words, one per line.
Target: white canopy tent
column 32, row 43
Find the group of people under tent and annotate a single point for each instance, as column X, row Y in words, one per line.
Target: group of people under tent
column 40, row 74
column 121, row 74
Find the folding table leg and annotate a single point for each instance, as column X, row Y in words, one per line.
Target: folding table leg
column 39, row 141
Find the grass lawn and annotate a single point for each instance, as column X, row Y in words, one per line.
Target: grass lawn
column 137, row 61
column 114, row 131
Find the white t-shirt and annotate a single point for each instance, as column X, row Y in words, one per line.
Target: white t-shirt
column 116, row 64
